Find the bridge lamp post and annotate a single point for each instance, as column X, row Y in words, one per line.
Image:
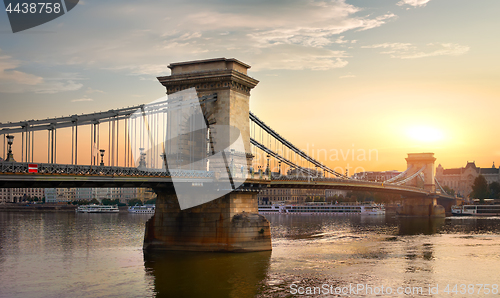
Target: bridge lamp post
column 268, row 170
column 142, row 160
column 10, row 156
column 102, row 157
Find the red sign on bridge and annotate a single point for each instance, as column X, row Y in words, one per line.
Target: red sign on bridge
column 32, row 168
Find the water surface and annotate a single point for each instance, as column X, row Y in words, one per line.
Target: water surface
column 100, row 255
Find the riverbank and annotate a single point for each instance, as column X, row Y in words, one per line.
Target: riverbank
column 37, row 207
column 13, row 207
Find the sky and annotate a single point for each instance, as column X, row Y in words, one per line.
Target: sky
column 390, row 76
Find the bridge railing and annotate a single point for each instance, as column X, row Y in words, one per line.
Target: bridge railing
column 44, row 168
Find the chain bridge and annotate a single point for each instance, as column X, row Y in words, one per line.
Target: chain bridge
column 127, row 147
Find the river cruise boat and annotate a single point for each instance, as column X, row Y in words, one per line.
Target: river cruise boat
column 97, row 209
column 323, row 208
column 476, row 210
column 146, row 209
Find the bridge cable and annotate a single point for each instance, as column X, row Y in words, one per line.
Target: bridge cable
column 273, row 133
column 411, row 177
column 401, row 175
column 442, row 189
column 279, row 157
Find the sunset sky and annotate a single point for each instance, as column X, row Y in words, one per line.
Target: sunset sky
column 395, row 76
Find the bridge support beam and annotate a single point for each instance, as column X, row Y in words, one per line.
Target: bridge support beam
column 421, row 207
column 230, row 223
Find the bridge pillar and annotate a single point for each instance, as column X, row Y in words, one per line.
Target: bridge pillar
column 421, row 207
column 416, row 161
column 424, row 205
column 231, row 222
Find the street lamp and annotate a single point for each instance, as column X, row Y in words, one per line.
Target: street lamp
column 102, row 156
column 142, row 160
column 10, row 156
column 268, row 170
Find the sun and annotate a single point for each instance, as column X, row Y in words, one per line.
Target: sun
column 425, row 133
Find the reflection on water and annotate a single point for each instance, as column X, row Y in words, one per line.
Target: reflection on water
column 100, row 255
column 418, row 226
column 63, row 254
column 311, row 251
column 178, row 274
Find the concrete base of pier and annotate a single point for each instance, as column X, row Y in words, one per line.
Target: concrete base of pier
column 421, row 206
column 230, row 223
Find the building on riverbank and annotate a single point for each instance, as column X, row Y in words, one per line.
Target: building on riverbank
column 58, row 195
column 16, row 195
column 462, row 179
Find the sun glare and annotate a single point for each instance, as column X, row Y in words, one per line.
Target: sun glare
column 425, row 133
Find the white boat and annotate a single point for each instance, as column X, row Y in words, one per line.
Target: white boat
column 476, row 210
column 97, row 209
column 323, row 208
column 146, row 209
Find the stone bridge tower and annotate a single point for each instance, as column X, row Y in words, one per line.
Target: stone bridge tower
column 231, row 222
column 422, row 205
column 228, row 79
column 418, row 160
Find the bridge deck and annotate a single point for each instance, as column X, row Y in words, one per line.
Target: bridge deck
column 17, row 175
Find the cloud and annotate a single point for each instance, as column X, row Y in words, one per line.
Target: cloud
column 347, row 76
column 297, row 57
column 410, row 51
column 91, row 90
column 414, row 3
column 52, row 86
column 189, row 30
column 15, row 81
column 82, row 99
column 9, row 74
column 314, row 35
column 145, row 69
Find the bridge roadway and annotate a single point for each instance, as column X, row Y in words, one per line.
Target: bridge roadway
column 17, row 175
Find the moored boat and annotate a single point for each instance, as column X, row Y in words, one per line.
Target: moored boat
column 97, row 209
column 476, row 210
column 323, row 208
column 146, row 209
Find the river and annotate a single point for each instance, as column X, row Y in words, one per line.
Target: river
column 100, row 255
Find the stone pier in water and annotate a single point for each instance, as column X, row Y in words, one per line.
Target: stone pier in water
column 230, row 222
